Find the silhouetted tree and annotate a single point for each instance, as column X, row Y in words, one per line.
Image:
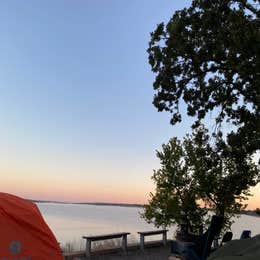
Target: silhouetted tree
column 257, row 211
column 195, row 173
column 207, row 56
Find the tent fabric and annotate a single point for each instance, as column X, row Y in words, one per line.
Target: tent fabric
column 239, row 249
column 24, row 233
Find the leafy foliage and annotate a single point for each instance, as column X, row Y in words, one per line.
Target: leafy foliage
column 208, row 57
column 175, row 200
column 197, row 176
column 257, row 210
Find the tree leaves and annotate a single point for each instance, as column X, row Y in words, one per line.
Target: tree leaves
column 199, row 172
column 208, row 57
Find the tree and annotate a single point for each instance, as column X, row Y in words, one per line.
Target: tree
column 175, row 200
column 198, row 172
column 207, row 56
column 257, row 211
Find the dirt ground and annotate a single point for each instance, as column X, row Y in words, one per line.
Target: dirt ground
column 149, row 254
column 155, row 252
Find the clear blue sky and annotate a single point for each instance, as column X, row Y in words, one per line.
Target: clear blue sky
column 76, row 115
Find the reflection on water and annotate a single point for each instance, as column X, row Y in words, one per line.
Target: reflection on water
column 69, row 222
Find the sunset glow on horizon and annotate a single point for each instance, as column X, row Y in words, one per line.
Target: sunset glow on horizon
column 58, row 189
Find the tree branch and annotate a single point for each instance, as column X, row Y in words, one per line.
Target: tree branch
column 248, row 6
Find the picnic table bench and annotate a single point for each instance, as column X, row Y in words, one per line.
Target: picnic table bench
column 151, row 233
column 89, row 239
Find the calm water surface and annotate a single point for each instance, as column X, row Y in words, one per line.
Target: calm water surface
column 69, row 222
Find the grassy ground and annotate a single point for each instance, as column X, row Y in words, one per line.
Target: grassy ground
column 73, row 246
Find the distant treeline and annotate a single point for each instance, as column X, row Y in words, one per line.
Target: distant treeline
column 90, row 203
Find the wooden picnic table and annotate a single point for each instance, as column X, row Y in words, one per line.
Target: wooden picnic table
column 89, row 239
column 143, row 234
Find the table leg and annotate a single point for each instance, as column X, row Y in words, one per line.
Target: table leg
column 142, row 242
column 88, row 248
column 124, row 244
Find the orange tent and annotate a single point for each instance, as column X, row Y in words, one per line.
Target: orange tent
column 24, row 235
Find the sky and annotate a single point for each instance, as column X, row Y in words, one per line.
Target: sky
column 76, row 116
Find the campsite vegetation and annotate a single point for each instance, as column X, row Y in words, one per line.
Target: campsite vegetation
column 206, row 59
column 257, row 211
column 198, row 175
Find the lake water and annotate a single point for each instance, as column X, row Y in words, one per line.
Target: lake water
column 69, row 222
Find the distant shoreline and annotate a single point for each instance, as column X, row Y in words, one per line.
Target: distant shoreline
column 92, row 203
column 129, row 205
